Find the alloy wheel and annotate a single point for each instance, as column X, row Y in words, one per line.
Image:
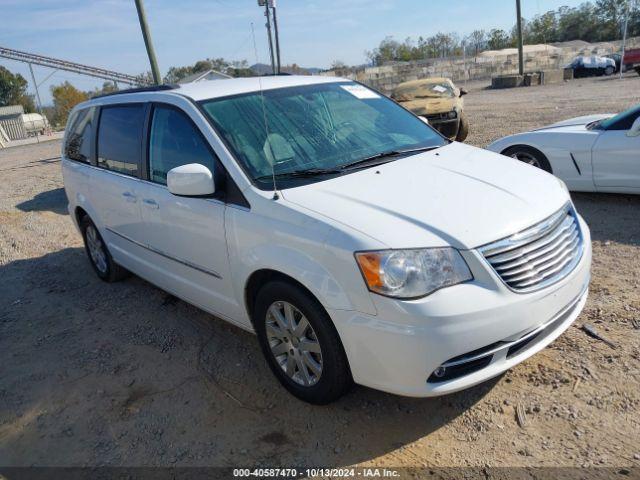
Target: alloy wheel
column 96, row 249
column 527, row 158
column 294, row 343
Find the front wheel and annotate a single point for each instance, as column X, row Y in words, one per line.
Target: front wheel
column 530, row 156
column 609, row 70
column 300, row 343
column 463, row 128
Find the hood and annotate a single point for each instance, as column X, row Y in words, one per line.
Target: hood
column 430, row 106
column 456, row 195
column 578, row 121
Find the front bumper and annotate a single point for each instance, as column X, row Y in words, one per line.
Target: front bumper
column 399, row 349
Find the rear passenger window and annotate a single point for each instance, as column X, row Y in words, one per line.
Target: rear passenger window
column 120, row 137
column 175, row 141
column 78, row 143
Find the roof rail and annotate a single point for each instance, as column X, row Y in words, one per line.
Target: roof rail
column 153, row 88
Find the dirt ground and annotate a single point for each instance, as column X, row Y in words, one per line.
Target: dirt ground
column 124, row 374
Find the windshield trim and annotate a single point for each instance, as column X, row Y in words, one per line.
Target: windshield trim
column 268, row 186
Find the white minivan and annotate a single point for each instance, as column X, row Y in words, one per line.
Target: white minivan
column 352, row 238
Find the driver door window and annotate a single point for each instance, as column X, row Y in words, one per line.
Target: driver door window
column 175, row 141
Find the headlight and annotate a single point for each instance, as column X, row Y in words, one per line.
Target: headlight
column 452, row 114
column 412, row 273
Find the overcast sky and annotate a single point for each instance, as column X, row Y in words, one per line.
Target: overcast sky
column 105, row 33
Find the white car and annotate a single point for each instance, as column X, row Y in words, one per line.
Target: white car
column 595, row 153
column 353, row 239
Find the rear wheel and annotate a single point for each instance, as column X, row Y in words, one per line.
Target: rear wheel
column 300, row 343
column 529, row 155
column 463, row 128
column 98, row 253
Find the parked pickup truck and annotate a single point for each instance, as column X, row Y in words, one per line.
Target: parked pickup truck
column 632, row 59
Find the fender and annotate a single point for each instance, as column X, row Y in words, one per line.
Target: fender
column 297, row 265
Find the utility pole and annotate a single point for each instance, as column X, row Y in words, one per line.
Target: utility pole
column 277, row 35
column 142, row 16
column 520, row 48
column 268, row 25
column 35, row 85
column 464, row 61
column 624, row 39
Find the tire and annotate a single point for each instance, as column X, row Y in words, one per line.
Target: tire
column 609, row 70
column 529, row 155
column 323, row 348
column 463, row 128
column 103, row 265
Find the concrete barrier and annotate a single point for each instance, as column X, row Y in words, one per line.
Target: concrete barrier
column 553, row 76
column 507, row 81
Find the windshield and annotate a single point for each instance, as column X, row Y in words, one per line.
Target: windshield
column 439, row 89
column 314, row 127
column 622, row 121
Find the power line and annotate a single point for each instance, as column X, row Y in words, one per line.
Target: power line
column 78, row 68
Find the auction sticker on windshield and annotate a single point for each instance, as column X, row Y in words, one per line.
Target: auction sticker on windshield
column 359, row 91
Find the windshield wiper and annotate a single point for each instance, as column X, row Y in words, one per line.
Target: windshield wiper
column 364, row 162
column 311, row 172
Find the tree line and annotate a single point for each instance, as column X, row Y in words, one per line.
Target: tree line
column 597, row 21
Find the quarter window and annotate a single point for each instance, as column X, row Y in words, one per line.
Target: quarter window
column 119, row 138
column 175, row 141
column 78, row 143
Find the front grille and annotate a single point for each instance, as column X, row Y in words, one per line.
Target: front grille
column 540, row 255
column 435, row 117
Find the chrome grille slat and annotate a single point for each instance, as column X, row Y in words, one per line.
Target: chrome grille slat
column 540, row 255
column 542, row 252
column 548, row 260
column 541, row 272
column 546, row 275
column 525, row 237
column 530, row 247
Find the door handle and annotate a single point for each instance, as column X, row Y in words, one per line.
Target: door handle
column 129, row 197
column 150, row 203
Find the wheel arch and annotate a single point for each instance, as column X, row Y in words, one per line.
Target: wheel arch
column 79, row 213
column 84, row 208
column 263, row 276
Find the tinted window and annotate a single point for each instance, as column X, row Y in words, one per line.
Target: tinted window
column 622, row 121
column 78, row 143
column 175, row 141
column 119, row 138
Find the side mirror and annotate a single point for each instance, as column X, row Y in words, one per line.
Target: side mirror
column 192, row 180
column 634, row 131
column 463, row 91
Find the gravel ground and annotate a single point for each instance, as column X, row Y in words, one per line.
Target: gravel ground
column 124, row 374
